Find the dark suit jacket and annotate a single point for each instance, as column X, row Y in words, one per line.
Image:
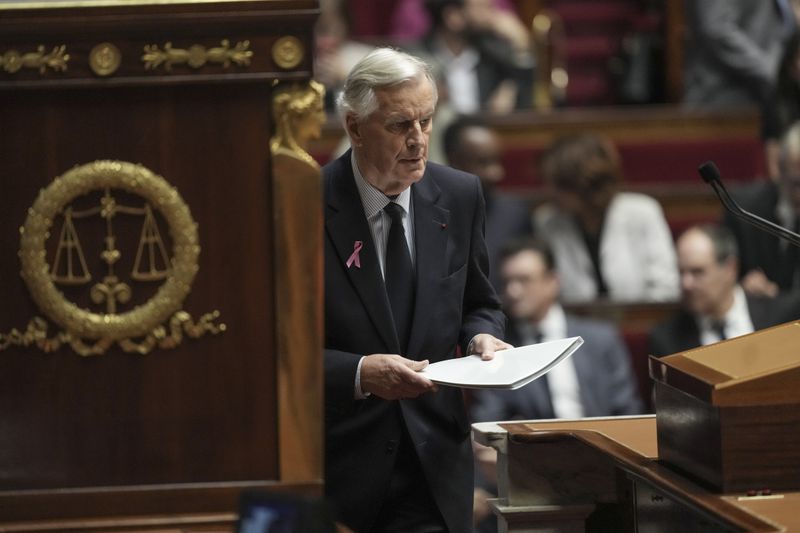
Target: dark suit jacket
column 730, row 50
column 602, row 365
column 757, row 248
column 680, row 332
column 454, row 302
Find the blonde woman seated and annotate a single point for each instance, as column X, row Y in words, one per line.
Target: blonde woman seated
column 608, row 244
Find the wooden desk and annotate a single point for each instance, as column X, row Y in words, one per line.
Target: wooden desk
column 603, row 474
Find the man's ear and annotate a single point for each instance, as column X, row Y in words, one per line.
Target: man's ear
column 353, row 129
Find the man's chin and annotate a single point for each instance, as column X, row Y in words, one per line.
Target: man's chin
column 415, row 166
column 415, row 173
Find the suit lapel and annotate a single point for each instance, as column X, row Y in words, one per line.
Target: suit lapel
column 345, row 225
column 430, row 237
column 688, row 334
column 759, row 313
column 583, row 367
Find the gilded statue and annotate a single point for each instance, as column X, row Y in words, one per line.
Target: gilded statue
column 299, row 115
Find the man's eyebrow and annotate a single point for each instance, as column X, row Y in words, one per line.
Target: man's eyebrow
column 398, row 117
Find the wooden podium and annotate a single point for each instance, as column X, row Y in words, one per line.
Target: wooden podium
column 722, row 452
column 161, row 318
column 729, row 413
column 604, row 474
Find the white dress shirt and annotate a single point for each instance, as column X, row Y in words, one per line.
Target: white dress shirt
column 460, row 73
column 737, row 321
column 379, row 222
column 565, row 394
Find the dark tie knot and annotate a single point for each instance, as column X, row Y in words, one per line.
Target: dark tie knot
column 395, row 212
column 718, row 327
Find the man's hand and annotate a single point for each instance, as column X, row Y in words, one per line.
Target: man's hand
column 485, row 345
column 757, row 283
column 393, row 377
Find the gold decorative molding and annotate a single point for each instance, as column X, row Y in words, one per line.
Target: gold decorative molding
column 13, row 61
column 104, row 59
column 299, row 113
column 287, row 52
column 89, row 332
column 197, row 55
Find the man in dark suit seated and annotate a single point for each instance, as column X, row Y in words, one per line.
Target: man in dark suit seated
column 470, row 145
column 597, row 380
column 715, row 307
column 406, row 282
column 771, row 265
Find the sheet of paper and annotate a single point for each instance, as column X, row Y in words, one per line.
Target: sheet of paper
column 510, row 369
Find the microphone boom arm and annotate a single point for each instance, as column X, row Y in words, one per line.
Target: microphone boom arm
column 710, row 174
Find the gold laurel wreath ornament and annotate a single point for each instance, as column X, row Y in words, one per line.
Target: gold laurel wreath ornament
column 91, row 333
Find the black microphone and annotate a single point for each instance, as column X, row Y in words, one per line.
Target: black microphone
column 710, row 174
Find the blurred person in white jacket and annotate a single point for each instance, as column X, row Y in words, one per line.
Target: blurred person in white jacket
column 608, row 244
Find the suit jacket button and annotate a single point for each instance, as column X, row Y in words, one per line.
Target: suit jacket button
column 390, row 446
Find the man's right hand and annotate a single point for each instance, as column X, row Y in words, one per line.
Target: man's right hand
column 393, row 377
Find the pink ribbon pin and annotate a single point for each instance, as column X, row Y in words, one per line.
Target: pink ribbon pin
column 354, row 258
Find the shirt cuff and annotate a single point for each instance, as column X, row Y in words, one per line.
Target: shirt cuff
column 358, row 394
column 469, row 346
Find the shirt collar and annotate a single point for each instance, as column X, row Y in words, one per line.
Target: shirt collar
column 372, row 199
column 737, row 316
column 552, row 327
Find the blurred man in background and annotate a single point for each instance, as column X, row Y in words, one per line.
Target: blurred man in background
column 470, row 145
column 715, row 307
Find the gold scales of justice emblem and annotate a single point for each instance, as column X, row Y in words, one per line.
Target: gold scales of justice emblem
column 106, row 189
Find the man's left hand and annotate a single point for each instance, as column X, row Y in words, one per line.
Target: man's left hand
column 485, row 345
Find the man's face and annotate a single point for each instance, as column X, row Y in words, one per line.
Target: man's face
column 529, row 289
column 706, row 285
column 391, row 144
column 479, row 154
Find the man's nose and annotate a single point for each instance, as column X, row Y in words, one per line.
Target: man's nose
column 415, row 136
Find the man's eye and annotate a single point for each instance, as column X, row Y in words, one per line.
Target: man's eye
column 398, row 126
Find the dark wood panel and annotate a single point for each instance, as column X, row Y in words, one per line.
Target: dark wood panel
column 199, row 412
column 21, row 507
column 132, row 26
column 122, row 441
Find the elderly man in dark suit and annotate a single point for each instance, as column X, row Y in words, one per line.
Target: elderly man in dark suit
column 715, row 307
column 406, row 282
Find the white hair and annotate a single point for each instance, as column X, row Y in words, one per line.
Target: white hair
column 383, row 67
